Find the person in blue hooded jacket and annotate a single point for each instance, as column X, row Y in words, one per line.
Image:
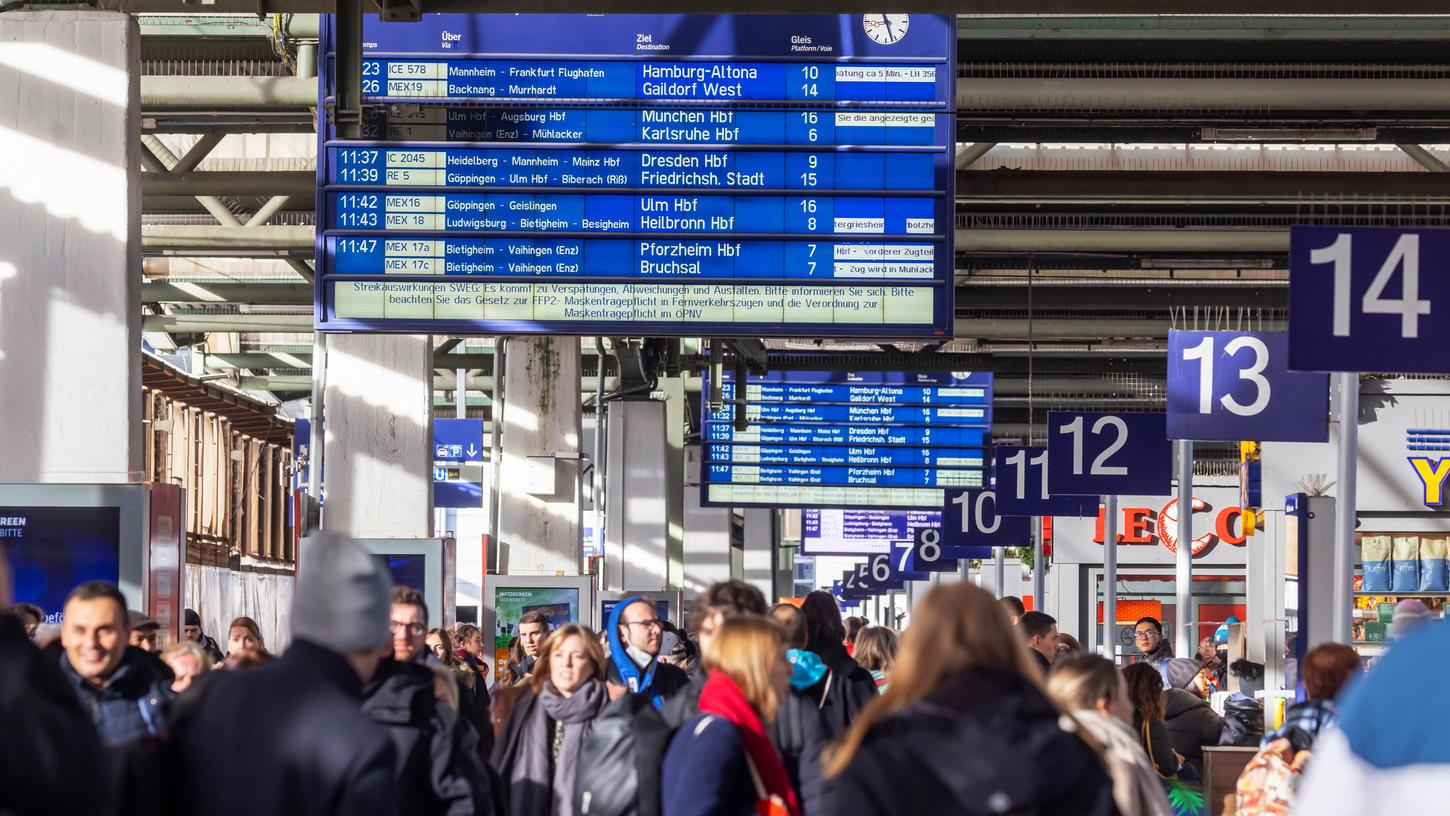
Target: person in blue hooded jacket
column 635, row 631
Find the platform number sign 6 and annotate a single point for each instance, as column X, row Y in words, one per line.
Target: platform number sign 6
column 1359, row 298
column 880, row 567
column 1108, row 453
column 1237, row 385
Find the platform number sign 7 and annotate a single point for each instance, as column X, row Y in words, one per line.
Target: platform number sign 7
column 1108, row 453
column 1369, row 299
column 1237, row 385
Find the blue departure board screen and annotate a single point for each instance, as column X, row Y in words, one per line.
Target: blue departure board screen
column 847, row 439
column 832, row 531
column 664, row 175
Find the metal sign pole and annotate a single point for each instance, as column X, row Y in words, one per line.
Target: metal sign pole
column 999, row 564
column 1184, row 645
column 1110, row 578
column 1039, row 574
column 1343, row 574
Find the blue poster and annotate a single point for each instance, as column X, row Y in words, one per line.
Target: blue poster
column 1369, row 299
column 1235, row 386
column 1103, row 454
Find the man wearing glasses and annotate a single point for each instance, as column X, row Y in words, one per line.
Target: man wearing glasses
column 635, row 631
column 1148, row 637
column 440, row 767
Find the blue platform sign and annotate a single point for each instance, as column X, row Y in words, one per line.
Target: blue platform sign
column 1108, row 453
column 1235, row 386
column 1369, row 299
column 839, row 439
column 664, row 175
column 834, row 531
column 458, row 440
column 1020, row 475
column 899, row 562
column 457, row 494
column 970, row 519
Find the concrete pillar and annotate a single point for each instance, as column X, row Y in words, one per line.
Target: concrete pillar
column 539, row 523
column 70, row 247
column 379, row 444
column 636, row 552
column 759, row 566
column 707, row 532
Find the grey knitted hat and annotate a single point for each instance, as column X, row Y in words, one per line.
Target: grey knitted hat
column 342, row 597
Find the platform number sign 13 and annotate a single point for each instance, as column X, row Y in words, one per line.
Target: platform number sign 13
column 1021, row 481
column 1109, row 453
column 1233, row 386
column 1369, row 299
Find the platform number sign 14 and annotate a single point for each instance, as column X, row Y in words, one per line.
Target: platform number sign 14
column 1108, row 453
column 1369, row 299
column 1233, row 386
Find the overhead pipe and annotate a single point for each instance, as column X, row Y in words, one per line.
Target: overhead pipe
column 1175, row 94
column 211, row 92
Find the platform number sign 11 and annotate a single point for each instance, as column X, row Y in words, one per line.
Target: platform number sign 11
column 1021, row 479
column 1233, row 386
column 1109, row 453
column 1369, row 299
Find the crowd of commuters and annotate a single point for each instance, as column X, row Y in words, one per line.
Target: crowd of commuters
column 979, row 707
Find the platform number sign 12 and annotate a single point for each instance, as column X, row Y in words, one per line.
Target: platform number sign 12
column 1369, row 299
column 1109, row 453
column 1234, row 386
column 1021, row 485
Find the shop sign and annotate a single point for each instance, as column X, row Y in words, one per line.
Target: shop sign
column 1145, row 526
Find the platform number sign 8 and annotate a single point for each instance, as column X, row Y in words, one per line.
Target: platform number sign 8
column 1359, row 299
column 1108, row 453
column 1237, row 385
column 927, row 552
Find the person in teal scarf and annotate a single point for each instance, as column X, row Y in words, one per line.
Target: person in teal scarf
column 635, row 629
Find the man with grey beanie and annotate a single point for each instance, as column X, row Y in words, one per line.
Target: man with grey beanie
column 1190, row 721
column 290, row 737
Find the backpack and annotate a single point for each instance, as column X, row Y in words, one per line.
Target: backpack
column 622, row 759
column 1266, row 786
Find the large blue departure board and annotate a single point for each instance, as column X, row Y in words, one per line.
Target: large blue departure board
column 847, row 439
column 700, row 175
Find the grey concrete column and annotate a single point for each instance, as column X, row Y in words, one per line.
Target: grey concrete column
column 636, row 533
column 379, row 443
column 707, row 532
column 759, row 561
column 539, row 523
column 70, row 247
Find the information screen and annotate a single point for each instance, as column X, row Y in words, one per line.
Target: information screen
column 848, row 439
column 761, row 175
column 52, row 550
column 831, row 531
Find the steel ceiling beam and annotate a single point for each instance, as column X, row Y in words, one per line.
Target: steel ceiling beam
column 1142, row 241
column 1198, row 187
column 197, row 240
column 301, row 183
column 1011, row 8
column 265, row 294
column 1178, row 95
column 221, row 92
column 1176, row 26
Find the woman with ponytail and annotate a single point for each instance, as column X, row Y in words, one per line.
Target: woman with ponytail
column 965, row 727
column 721, row 762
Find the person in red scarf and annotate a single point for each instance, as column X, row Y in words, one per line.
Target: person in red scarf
column 721, row 762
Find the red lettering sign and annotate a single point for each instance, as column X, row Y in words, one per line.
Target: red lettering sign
column 1140, row 525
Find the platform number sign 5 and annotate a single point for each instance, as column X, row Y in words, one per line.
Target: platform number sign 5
column 1369, row 299
column 1022, row 490
column 1108, row 453
column 1237, row 385
column 970, row 519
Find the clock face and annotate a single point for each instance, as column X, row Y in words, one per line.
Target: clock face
column 886, row 29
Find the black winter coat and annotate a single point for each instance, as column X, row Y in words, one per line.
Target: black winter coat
column 987, row 742
column 843, row 692
column 798, row 733
column 51, row 760
column 1243, row 721
column 438, row 765
column 1191, row 724
column 285, row 739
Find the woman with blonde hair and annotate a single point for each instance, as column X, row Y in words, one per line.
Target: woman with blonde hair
column 721, row 762
column 244, row 634
column 541, row 725
column 876, row 652
column 965, row 727
column 1093, row 693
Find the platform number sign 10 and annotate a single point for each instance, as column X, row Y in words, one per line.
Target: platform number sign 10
column 970, row 519
column 1108, row 453
column 1237, row 385
column 1022, row 490
column 1369, row 299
